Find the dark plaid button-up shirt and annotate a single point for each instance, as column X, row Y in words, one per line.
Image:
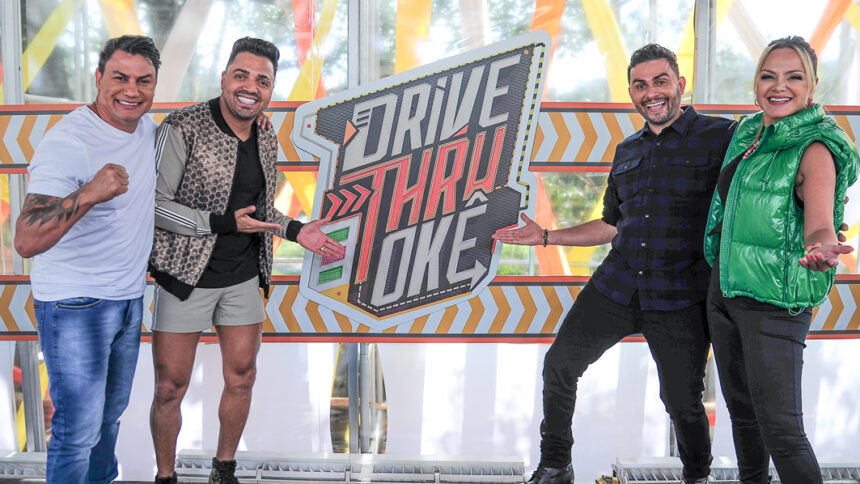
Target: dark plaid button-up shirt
column 657, row 197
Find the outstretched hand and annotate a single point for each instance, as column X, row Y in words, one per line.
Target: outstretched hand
column 530, row 234
column 312, row 238
column 246, row 223
column 824, row 257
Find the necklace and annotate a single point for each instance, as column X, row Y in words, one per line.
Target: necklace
column 750, row 150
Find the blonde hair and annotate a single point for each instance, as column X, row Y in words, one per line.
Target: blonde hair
column 808, row 60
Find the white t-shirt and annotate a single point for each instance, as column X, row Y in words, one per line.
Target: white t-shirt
column 105, row 253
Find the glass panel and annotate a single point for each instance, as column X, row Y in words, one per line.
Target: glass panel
column 62, row 44
column 6, row 248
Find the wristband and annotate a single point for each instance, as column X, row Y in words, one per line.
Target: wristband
column 810, row 248
column 545, row 237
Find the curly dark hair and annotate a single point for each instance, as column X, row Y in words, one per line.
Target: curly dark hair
column 653, row 52
column 258, row 47
column 131, row 44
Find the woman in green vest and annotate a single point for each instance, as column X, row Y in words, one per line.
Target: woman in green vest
column 773, row 247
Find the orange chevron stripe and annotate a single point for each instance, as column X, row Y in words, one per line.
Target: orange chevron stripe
column 555, row 309
column 447, row 320
column 363, row 329
column 504, row 309
column 418, row 324
column 854, row 322
column 24, row 136
column 574, row 291
column 54, row 119
column 5, row 303
column 837, row 306
column 268, row 327
column 5, row 156
column 815, row 312
column 28, row 308
column 284, row 137
column 313, row 310
column 477, row 310
column 343, row 322
column 564, row 136
column 286, row 309
column 390, row 330
column 538, row 141
column 637, row 120
column 842, row 121
column 590, row 137
column 159, row 117
column 616, row 135
column 529, row 310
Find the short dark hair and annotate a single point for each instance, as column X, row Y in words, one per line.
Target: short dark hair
column 258, row 47
column 131, row 44
column 653, row 52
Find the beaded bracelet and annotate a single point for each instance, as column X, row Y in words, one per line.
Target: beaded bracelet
column 810, row 248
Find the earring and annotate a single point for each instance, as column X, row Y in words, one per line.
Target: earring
column 755, row 101
column 809, row 103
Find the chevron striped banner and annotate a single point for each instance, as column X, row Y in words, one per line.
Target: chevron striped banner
column 570, row 136
column 513, row 309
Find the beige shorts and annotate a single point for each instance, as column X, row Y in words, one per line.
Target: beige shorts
column 237, row 305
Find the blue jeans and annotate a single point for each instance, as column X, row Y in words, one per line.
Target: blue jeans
column 90, row 348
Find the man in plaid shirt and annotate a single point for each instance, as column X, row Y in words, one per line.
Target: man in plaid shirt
column 655, row 278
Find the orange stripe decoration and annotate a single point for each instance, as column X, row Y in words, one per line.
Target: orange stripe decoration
column 563, row 136
column 390, row 330
column 555, row 310
column 447, row 320
column 843, row 123
column 5, row 304
column 637, row 120
column 24, row 136
column 343, row 322
column 833, row 14
column 54, row 119
column 590, row 137
column 539, row 137
column 502, row 307
column 28, row 308
column 284, row 137
column 474, row 315
column 854, row 322
column 529, row 310
column 616, row 135
column 362, row 328
column 286, row 308
column 836, row 309
column 5, row 156
column 418, row 324
column 312, row 309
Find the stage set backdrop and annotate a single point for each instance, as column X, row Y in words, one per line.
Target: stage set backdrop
column 417, row 170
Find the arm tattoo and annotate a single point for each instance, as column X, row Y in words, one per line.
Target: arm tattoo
column 42, row 209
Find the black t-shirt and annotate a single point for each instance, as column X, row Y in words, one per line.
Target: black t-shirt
column 235, row 255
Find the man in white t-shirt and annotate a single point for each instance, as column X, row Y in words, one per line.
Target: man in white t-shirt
column 87, row 221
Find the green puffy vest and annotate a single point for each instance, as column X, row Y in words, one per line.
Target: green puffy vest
column 762, row 234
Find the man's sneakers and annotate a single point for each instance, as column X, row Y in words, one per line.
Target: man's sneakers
column 701, row 480
column 165, row 480
column 223, row 472
column 552, row 475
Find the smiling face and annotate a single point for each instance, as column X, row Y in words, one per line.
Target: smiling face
column 656, row 93
column 246, row 87
column 782, row 86
column 125, row 90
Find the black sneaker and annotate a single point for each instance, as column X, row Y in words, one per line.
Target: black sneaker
column 223, row 472
column 165, row 480
column 552, row 475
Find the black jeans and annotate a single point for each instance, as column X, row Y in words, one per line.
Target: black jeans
column 679, row 344
column 759, row 352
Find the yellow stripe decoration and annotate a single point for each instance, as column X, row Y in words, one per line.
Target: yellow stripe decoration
column 413, row 28
column 686, row 50
column 852, row 15
column 20, row 418
column 311, row 71
column 45, row 40
column 605, row 29
column 120, row 17
column 304, row 185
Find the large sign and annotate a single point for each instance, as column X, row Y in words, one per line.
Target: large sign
column 416, row 172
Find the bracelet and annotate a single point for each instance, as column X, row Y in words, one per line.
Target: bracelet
column 545, row 237
column 810, row 248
